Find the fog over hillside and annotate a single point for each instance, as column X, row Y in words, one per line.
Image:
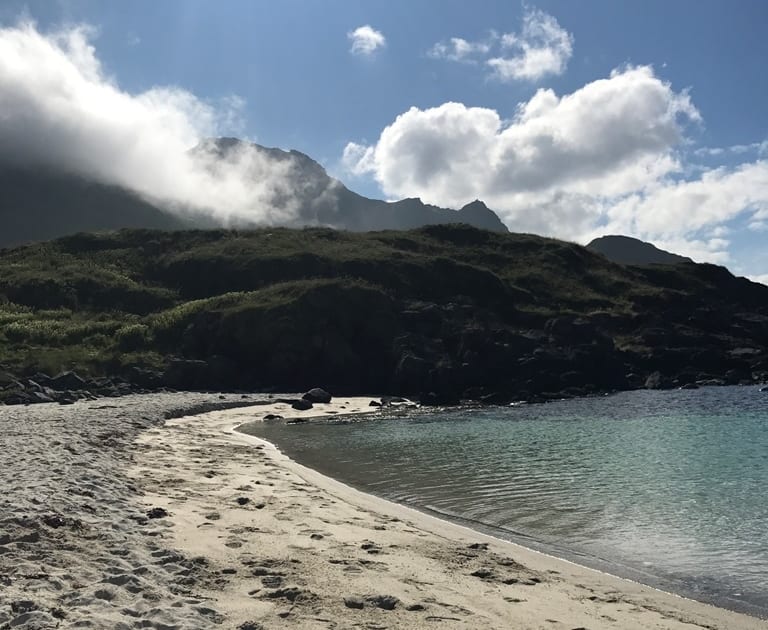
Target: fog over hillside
column 61, row 110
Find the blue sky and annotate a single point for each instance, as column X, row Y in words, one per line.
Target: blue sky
column 568, row 118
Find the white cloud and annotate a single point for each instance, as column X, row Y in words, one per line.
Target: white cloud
column 762, row 278
column 458, row 49
column 541, row 48
column 366, row 40
column 58, row 107
column 760, row 148
column 357, row 159
column 604, row 159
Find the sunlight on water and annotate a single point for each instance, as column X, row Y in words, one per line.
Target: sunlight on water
column 667, row 486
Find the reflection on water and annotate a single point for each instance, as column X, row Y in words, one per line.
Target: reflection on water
column 666, row 486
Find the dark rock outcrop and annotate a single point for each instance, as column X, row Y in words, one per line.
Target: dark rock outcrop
column 626, row 250
column 317, row 395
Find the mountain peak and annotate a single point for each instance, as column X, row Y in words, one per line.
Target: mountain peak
column 478, row 214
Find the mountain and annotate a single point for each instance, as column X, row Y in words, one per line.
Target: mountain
column 443, row 311
column 325, row 201
column 40, row 204
column 625, row 250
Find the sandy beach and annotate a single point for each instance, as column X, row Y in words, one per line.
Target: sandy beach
column 286, row 547
column 127, row 513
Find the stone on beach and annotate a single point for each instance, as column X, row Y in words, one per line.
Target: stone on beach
column 317, row 395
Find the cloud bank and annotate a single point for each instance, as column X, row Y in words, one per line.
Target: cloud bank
column 366, row 40
column 541, row 48
column 606, row 158
column 59, row 108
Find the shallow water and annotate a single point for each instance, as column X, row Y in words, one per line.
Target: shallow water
column 670, row 488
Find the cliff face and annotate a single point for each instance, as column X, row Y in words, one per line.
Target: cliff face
column 442, row 312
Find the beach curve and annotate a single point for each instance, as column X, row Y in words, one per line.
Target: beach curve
column 294, row 548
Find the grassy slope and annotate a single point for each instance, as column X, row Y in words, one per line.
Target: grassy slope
column 99, row 302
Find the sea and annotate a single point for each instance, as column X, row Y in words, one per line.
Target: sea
column 668, row 488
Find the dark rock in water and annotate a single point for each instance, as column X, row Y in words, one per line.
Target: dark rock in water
column 374, row 403
column 738, row 376
column 297, row 421
column 272, row 417
column 66, row 380
column 393, row 400
column 712, row 382
column 301, row 404
column 657, row 381
column 764, row 389
column 495, row 398
column 157, row 512
column 317, row 395
column 439, row 399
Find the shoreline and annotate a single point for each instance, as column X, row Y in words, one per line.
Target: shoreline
column 603, row 564
column 585, row 596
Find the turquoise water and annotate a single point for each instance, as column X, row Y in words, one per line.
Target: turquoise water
column 670, row 488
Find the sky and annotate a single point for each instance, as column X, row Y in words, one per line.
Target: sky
column 570, row 119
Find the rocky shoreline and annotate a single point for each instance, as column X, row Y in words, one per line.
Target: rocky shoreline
column 551, row 376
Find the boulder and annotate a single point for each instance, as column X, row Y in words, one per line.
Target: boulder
column 317, row 395
column 66, row 381
column 143, row 377
column 301, row 404
column 657, row 381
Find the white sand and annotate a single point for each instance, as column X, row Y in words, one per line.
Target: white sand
column 286, row 547
column 76, row 547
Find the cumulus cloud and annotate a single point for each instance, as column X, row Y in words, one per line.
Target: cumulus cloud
column 607, row 158
column 59, row 108
column 366, row 40
column 541, row 48
column 458, row 49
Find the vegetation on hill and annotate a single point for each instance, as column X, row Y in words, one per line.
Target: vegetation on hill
column 447, row 309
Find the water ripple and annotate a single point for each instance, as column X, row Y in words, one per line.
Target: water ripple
column 674, row 481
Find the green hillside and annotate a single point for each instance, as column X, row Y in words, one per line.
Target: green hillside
column 447, row 309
